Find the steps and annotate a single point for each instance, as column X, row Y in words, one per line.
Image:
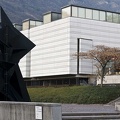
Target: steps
column 90, row 116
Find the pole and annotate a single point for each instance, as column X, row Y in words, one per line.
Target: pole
column 78, row 50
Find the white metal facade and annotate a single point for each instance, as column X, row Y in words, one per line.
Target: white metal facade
column 56, row 44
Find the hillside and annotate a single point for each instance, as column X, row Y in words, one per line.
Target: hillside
column 18, row 10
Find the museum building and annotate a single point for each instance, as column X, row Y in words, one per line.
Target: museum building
column 59, row 37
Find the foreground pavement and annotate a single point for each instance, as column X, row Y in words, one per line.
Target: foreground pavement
column 90, row 108
column 89, row 112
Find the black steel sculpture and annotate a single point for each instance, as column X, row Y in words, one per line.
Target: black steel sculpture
column 13, row 46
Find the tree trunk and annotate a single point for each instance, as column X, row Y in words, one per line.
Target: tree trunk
column 101, row 82
column 102, row 75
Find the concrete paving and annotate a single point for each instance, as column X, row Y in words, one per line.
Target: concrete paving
column 89, row 112
column 91, row 108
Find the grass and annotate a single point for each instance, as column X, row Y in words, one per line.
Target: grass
column 75, row 94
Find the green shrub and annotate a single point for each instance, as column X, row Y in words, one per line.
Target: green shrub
column 75, row 94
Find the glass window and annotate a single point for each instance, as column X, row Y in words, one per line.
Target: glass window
column 32, row 24
column 109, row 17
column 96, row 15
column 66, row 12
column 38, row 23
column 119, row 18
column 115, row 18
column 74, row 11
column 55, row 16
column 25, row 25
column 59, row 16
column 47, row 18
column 18, row 27
column 81, row 12
column 89, row 13
column 102, row 16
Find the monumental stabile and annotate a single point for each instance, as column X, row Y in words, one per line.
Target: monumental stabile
column 13, row 46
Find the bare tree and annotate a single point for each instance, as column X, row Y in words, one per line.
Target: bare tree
column 102, row 56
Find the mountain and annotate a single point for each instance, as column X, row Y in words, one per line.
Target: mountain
column 19, row 10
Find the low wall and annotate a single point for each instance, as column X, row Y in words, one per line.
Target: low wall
column 110, row 79
column 117, row 106
column 29, row 111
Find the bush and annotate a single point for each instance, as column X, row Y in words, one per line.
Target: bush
column 75, row 94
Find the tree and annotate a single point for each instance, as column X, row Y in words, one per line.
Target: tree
column 102, row 56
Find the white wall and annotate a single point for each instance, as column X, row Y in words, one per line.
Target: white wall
column 101, row 33
column 112, row 79
column 56, row 42
column 51, row 54
column 25, row 61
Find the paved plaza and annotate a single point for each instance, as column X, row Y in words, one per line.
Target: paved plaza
column 89, row 112
column 91, row 108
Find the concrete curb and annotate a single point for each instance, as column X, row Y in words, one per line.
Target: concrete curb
column 89, row 116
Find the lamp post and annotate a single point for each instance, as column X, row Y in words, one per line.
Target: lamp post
column 78, row 50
